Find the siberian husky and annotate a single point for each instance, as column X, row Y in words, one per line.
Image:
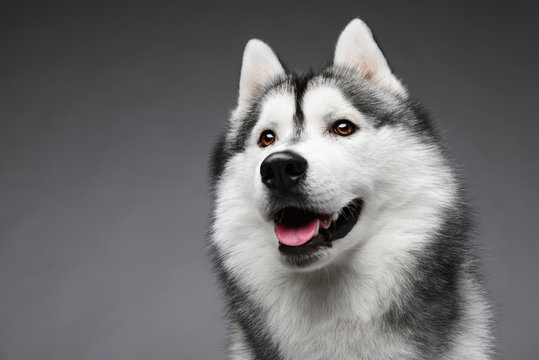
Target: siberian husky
column 339, row 229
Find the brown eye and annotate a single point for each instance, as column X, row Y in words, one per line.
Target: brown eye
column 344, row 127
column 266, row 138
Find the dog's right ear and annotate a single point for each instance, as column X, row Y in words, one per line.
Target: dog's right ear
column 260, row 65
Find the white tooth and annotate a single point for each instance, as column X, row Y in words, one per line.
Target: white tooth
column 317, row 227
column 335, row 216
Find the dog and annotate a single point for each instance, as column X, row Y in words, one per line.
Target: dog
column 339, row 227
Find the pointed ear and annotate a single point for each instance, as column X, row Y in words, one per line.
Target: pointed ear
column 356, row 49
column 259, row 66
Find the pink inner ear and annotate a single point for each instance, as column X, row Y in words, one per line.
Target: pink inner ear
column 367, row 73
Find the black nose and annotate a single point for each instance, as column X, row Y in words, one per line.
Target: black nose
column 282, row 171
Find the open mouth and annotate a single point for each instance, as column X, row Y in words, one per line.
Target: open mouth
column 303, row 234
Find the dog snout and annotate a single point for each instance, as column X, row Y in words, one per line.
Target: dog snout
column 282, row 171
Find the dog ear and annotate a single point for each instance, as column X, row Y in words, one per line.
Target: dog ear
column 356, row 49
column 259, row 65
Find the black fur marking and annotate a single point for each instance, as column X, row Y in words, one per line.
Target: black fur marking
column 218, row 158
column 423, row 124
column 373, row 103
column 300, row 82
column 244, row 312
column 431, row 305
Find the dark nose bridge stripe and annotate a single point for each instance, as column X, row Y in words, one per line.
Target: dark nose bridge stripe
column 299, row 122
column 300, row 86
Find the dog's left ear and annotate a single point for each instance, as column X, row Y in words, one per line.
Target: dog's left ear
column 356, row 49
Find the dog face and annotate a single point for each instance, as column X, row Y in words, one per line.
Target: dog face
column 314, row 167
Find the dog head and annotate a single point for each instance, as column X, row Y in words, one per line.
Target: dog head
column 314, row 166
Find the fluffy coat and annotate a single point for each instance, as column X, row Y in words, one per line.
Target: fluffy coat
column 401, row 283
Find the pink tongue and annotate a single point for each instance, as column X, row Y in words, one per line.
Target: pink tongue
column 296, row 236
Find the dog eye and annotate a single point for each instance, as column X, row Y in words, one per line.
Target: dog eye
column 266, row 138
column 344, row 127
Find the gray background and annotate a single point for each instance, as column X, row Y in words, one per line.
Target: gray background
column 107, row 115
